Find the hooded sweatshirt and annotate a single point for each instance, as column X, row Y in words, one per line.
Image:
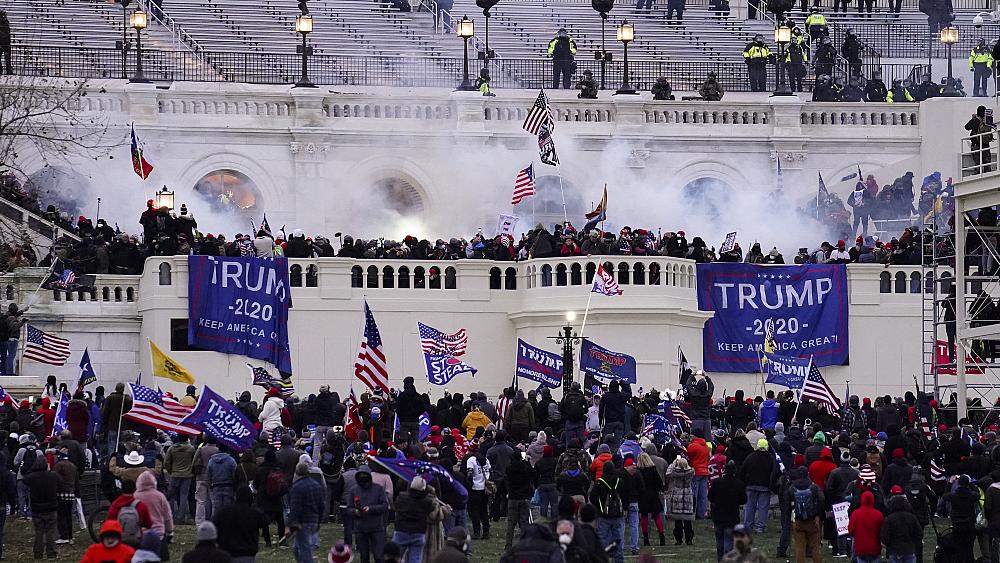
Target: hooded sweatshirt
column 865, row 526
column 156, row 503
column 768, row 414
column 120, row 553
column 820, row 469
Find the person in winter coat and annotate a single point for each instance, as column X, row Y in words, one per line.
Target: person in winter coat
column 612, row 411
column 650, row 502
column 739, row 414
column 964, row 504
column 606, row 496
column 520, row 490
column 43, row 488
column 305, row 511
column 806, row 502
column 203, row 489
column 413, row 507
column 115, row 405
column 206, row 550
column 698, row 455
column 603, row 456
column 239, row 526
column 270, row 413
column 901, row 532
column 268, row 502
column 520, row 419
column 178, row 467
column 455, row 550
column 162, row 519
column 865, row 526
column 875, row 90
column 474, row 420
column 368, row 505
column 680, row 500
column 545, row 471
column 537, row 543
column 899, row 472
column 728, row 493
column 562, row 49
column 109, row 548
column 767, row 414
column 820, row 469
column 221, row 473
column 698, row 391
column 758, row 472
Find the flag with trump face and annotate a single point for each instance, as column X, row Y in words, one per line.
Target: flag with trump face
column 433, row 341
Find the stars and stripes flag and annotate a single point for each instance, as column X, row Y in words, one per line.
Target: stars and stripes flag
column 140, row 165
column 604, row 282
column 371, row 367
column 653, row 423
column 925, row 429
column 937, row 472
column 503, row 405
column 262, row 378
column 815, row 388
column 45, row 348
column 155, row 409
column 674, row 413
column 435, row 342
column 539, row 114
column 524, row 184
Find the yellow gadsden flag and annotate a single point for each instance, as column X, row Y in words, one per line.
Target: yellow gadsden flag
column 163, row 366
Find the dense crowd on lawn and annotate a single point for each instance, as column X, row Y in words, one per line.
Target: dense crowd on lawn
column 586, row 462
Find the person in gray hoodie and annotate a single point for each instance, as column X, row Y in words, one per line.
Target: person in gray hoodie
column 221, row 471
column 367, row 505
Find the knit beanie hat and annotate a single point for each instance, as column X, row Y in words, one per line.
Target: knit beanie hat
column 418, row 484
column 302, row 469
column 207, row 531
column 604, row 449
column 340, row 553
column 819, row 438
column 762, row 445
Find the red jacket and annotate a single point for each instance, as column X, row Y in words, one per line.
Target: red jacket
column 865, row 525
column 698, row 453
column 821, row 468
column 597, row 466
column 145, row 521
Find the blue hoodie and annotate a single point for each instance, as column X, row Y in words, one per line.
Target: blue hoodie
column 221, row 469
column 768, row 414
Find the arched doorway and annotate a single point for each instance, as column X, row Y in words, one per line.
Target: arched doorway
column 709, row 195
column 229, row 190
column 546, row 206
column 399, row 195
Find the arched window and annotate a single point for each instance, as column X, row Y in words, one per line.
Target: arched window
column 435, row 277
column 915, row 282
column 418, row 277
column 639, row 273
column 591, row 272
column 495, row 276
column 510, row 279
column 561, row 275
column 129, row 295
column 372, row 277
column 357, row 277
column 9, row 292
column 56, row 296
column 654, row 274
column 576, row 275
column 105, row 294
column 118, row 294
column 404, row 277
column 165, row 278
column 312, row 276
column 388, row 277
column 450, row 278
column 624, row 273
column 885, row 282
column 229, row 190
column 93, row 295
column 546, row 275
column 295, row 275
column 900, row 286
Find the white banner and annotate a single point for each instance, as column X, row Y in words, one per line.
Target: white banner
column 729, row 244
column 841, row 517
column 506, row 224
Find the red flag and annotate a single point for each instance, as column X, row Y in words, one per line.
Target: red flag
column 141, row 167
column 354, row 424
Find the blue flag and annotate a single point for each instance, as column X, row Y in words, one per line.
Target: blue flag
column 87, row 373
column 60, row 422
column 441, row 369
column 214, row 416
column 538, row 365
column 407, row 469
column 630, row 447
column 655, row 424
column 606, row 364
column 786, row 371
column 425, row 426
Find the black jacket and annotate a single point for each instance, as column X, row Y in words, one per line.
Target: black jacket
column 875, row 91
column 323, row 410
column 520, row 479
column 239, row 526
column 727, row 495
column 612, row 407
column 757, row 469
column 206, row 552
column 901, row 532
column 899, row 472
column 412, row 509
column 537, row 544
column 739, row 414
column 43, row 487
column 700, row 396
column 964, row 502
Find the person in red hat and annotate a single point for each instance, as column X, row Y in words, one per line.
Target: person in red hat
column 839, row 254
column 898, row 473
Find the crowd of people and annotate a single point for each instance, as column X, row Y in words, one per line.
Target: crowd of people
column 587, row 462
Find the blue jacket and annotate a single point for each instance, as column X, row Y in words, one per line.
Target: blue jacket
column 768, row 414
column 305, row 502
column 221, row 469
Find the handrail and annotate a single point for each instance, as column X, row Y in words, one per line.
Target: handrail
column 976, row 159
column 176, row 30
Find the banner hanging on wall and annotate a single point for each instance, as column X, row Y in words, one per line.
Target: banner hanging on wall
column 807, row 305
column 239, row 305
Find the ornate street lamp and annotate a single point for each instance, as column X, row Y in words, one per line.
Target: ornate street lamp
column 782, row 36
column 626, row 33
column 165, row 198
column 304, row 25
column 949, row 36
column 139, row 22
column 465, row 29
column 568, row 339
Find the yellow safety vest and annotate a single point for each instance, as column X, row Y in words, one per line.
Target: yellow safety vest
column 756, row 52
column 815, row 19
column 572, row 46
column 982, row 57
column 906, row 94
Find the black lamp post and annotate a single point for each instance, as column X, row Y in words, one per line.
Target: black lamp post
column 568, row 339
column 949, row 36
column 626, row 33
column 465, row 29
column 139, row 22
column 124, row 42
column 487, row 5
column 603, row 7
column 304, row 25
column 782, row 36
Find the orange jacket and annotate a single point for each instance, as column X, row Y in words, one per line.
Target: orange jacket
column 698, row 455
column 597, row 466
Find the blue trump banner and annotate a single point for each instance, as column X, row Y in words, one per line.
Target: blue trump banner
column 240, row 305
column 538, row 365
column 786, row 371
column 603, row 363
column 441, row 369
column 407, row 469
column 806, row 305
column 60, row 422
column 214, row 416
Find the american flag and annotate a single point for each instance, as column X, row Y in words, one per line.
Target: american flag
column 155, row 409
column 524, row 184
column 539, row 114
column 653, row 423
column 674, row 413
column 353, row 420
column 937, row 472
column 815, row 388
column 925, row 429
column 503, row 405
column 260, row 377
column 604, row 282
column 435, row 342
column 264, row 379
column 46, row 348
column 371, row 366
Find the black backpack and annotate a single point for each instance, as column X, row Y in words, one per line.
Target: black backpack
column 27, row 461
column 576, row 408
column 614, row 508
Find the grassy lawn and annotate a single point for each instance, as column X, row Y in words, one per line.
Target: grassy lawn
column 19, row 537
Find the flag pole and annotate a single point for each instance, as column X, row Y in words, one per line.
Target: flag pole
column 562, row 194
column 583, row 326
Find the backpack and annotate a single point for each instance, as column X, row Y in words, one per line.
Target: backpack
column 795, row 54
column 614, row 508
column 128, row 517
column 276, row 484
column 805, row 505
column 27, row 461
column 576, row 408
